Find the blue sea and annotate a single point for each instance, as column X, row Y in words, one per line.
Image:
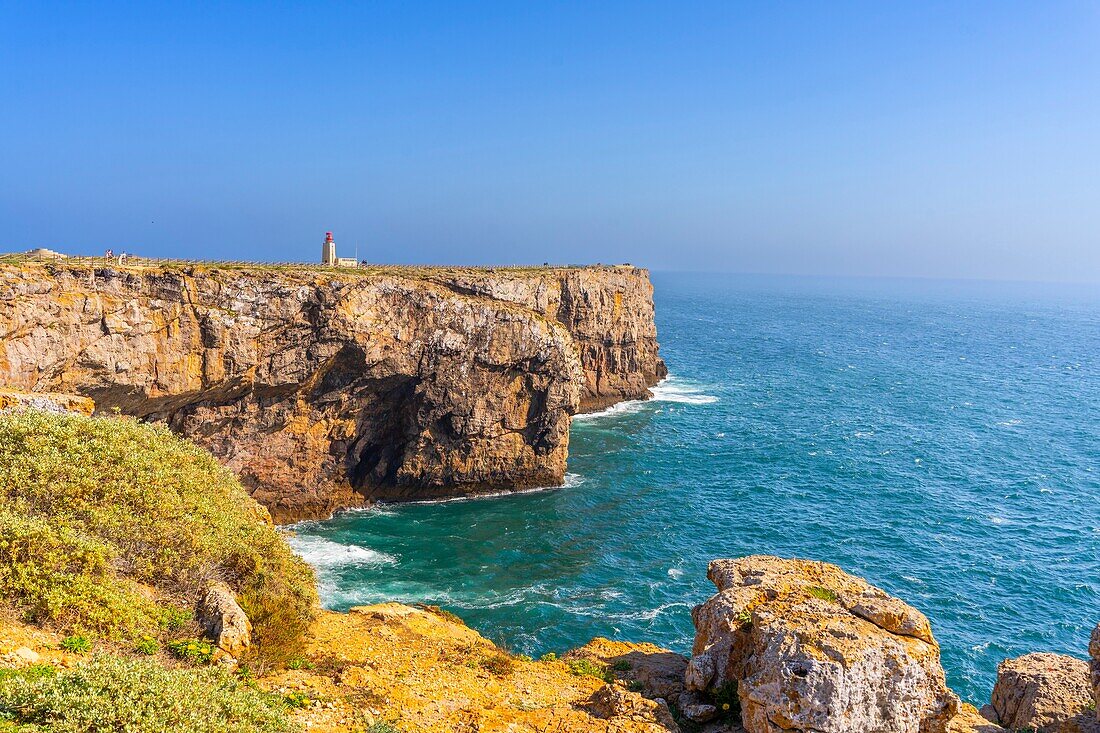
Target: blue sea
column 941, row 439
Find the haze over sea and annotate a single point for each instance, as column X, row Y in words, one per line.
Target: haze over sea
column 937, row 438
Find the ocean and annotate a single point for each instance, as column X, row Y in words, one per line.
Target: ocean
column 940, row 439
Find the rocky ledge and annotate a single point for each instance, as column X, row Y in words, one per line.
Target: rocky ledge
column 324, row 388
column 795, row 646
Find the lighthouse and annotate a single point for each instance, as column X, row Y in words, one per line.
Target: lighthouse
column 328, row 250
column 328, row 254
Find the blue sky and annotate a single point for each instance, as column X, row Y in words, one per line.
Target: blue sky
column 925, row 139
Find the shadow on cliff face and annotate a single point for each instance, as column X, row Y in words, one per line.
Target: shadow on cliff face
column 382, row 432
column 383, row 425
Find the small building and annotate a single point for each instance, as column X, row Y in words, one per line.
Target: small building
column 328, row 254
column 42, row 253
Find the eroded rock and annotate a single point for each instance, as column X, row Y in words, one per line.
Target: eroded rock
column 1041, row 691
column 613, row 702
column 47, row 401
column 224, row 621
column 811, row 648
column 1094, row 667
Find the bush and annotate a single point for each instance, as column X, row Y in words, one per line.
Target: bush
column 297, row 699
column 98, row 511
column 146, row 645
column 195, row 651
column 587, row 668
column 139, row 696
column 500, row 665
column 76, row 644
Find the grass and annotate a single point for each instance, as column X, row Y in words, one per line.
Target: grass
column 823, row 593
column 588, row 668
column 112, row 693
column 76, row 644
column 109, row 528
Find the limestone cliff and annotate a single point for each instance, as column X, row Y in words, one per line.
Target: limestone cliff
column 327, row 388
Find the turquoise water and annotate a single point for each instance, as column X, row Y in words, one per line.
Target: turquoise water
column 940, row 439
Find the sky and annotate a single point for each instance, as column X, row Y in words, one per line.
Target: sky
column 924, row 139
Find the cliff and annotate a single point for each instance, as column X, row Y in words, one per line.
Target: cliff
column 330, row 388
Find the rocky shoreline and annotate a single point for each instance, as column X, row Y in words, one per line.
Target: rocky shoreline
column 330, row 389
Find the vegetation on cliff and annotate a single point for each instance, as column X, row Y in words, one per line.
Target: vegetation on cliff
column 113, row 693
column 111, row 528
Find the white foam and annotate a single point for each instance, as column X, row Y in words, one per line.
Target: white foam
column 669, row 389
column 675, row 573
column 322, row 553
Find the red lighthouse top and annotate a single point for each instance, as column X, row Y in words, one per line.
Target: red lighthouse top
column 328, row 236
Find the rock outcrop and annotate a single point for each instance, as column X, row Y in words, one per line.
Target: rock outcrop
column 324, row 389
column 47, row 401
column 1094, row 667
column 224, row 621
column 1041, row 691
column 657, row 672
column 420, row 670
column 810, row 648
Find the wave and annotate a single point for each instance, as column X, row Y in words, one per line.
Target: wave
column 322, row 553
column 669, row 389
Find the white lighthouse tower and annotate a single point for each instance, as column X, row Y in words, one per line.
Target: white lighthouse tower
column 328, row 250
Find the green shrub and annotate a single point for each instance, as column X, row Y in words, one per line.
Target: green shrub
column 726, row 700
column 622, row 665
column 587, row 668
column 174, row 619
column 195, row 651
column 76, row 644
column 297, row 699
column 139, row 696
column 299, row 663
column 549, row 657
column 31, row 673
column 98, row 511
column 146, row 645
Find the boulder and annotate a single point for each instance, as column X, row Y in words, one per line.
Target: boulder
column 1041, row 692
column 224, row 621
column 612, row 702
column 808, row 647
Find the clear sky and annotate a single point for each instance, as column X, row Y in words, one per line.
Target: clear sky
column 944, row 139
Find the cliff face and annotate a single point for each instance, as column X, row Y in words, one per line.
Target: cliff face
column 608, row 311
column 325, row 389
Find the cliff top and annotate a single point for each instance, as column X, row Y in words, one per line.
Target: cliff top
column 133, row 263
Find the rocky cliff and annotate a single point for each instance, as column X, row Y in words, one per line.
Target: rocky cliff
column 327, row 388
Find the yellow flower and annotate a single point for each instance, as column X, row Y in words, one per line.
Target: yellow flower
column 725, row 706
